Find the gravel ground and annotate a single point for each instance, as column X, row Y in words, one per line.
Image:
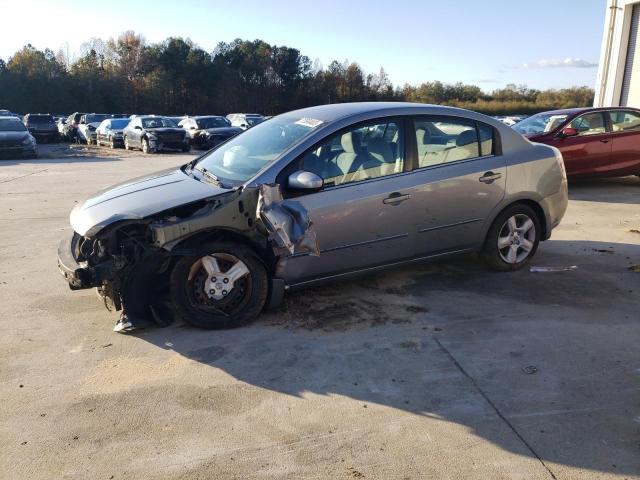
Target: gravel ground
column 439, row 370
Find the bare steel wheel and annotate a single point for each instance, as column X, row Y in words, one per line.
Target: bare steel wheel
column 513, row 238
column 223, row 289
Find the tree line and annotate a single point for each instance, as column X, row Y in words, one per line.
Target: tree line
column 176, row 76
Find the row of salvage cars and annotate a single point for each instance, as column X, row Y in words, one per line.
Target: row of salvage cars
column 309, row 196
column 151, row 133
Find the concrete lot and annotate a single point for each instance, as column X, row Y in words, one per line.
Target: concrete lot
column 414, row 373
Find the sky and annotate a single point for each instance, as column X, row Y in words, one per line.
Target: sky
column 489, row 43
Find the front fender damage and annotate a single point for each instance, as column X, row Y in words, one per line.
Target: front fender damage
column 144, row 252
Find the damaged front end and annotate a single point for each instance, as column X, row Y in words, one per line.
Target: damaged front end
column 129, row 262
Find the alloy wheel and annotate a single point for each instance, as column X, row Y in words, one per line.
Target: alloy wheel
column 516, row 239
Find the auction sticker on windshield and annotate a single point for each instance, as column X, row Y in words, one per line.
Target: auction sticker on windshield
column 309, row 122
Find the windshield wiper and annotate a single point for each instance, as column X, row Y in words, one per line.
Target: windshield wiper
column 211, row 177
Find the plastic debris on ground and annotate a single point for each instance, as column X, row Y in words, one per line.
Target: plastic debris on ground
column 530, row 369
column 553, row 269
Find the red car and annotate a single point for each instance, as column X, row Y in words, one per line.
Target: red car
column 595, row 142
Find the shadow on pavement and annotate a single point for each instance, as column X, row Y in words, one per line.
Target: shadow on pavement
column 455, row 341
column 627, row 190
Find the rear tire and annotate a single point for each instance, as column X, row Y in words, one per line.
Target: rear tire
column 512, row 239
column 241, row 304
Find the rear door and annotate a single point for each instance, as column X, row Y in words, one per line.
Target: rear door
column 459, row 179
column 625, row 140
column 589, row 152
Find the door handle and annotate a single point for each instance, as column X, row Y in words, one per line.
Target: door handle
column 395, row 198
column 490, row 177
column 604, row 141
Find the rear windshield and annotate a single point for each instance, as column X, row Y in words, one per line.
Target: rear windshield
column 11, row 125
column 39, row 119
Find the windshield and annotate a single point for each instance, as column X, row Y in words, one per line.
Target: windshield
column 540, row 123
column 95, row 118
column 40, row 119
column 212, row 122
column 119, row 123
column 158, row 122
column 11, row 125
column 243, row 156
column 254, row 120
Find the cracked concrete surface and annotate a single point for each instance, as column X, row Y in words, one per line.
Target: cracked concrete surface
column 413, row 373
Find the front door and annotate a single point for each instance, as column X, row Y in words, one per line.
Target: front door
column 589, row 151
column 362, row 214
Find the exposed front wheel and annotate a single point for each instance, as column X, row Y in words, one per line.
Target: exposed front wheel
column 513, row 238
column 112, row 144
column 126, row 144
column 224, row 289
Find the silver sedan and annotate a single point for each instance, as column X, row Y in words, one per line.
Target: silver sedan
column 311, row 195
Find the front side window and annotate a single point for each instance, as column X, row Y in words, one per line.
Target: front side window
column 242, row 157
column 446, row 141
column 589, row 124
column 363, row 153
column 624, row 120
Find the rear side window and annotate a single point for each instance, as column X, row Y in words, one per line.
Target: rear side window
column 622, row 121
column 40, row 119
column 486, row 139
column 447, row 140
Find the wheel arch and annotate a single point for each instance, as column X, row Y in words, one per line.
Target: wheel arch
column 260, row 248
column 531, row 203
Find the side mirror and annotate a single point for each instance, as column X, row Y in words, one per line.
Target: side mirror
column 303, row 180
column 192, row 128
column 569, row 132
column 137, row 127
column 82, row 122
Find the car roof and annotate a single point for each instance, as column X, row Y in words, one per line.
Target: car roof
column 579, row 110
column 337, row 111
column 198, row 117
column 9, row 117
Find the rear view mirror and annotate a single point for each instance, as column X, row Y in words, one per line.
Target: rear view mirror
column 569, row 132
column 303, row 180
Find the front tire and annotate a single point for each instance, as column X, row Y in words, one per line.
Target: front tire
column 112, row 144
column 225, row 289
column 145, row 146
column 512, row 239
column 126, row 144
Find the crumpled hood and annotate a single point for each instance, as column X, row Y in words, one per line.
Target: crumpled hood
column 139, row 198
column 13, row 136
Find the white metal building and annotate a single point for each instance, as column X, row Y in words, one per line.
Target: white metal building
column 618, row 81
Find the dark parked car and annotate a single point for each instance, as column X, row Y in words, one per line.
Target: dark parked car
column 42, row 126
column 15, row 139
column 109, row 132
column 70, row 128
column 152, row 134
column 595, row 142
column 208, row 131
column 312, row 195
